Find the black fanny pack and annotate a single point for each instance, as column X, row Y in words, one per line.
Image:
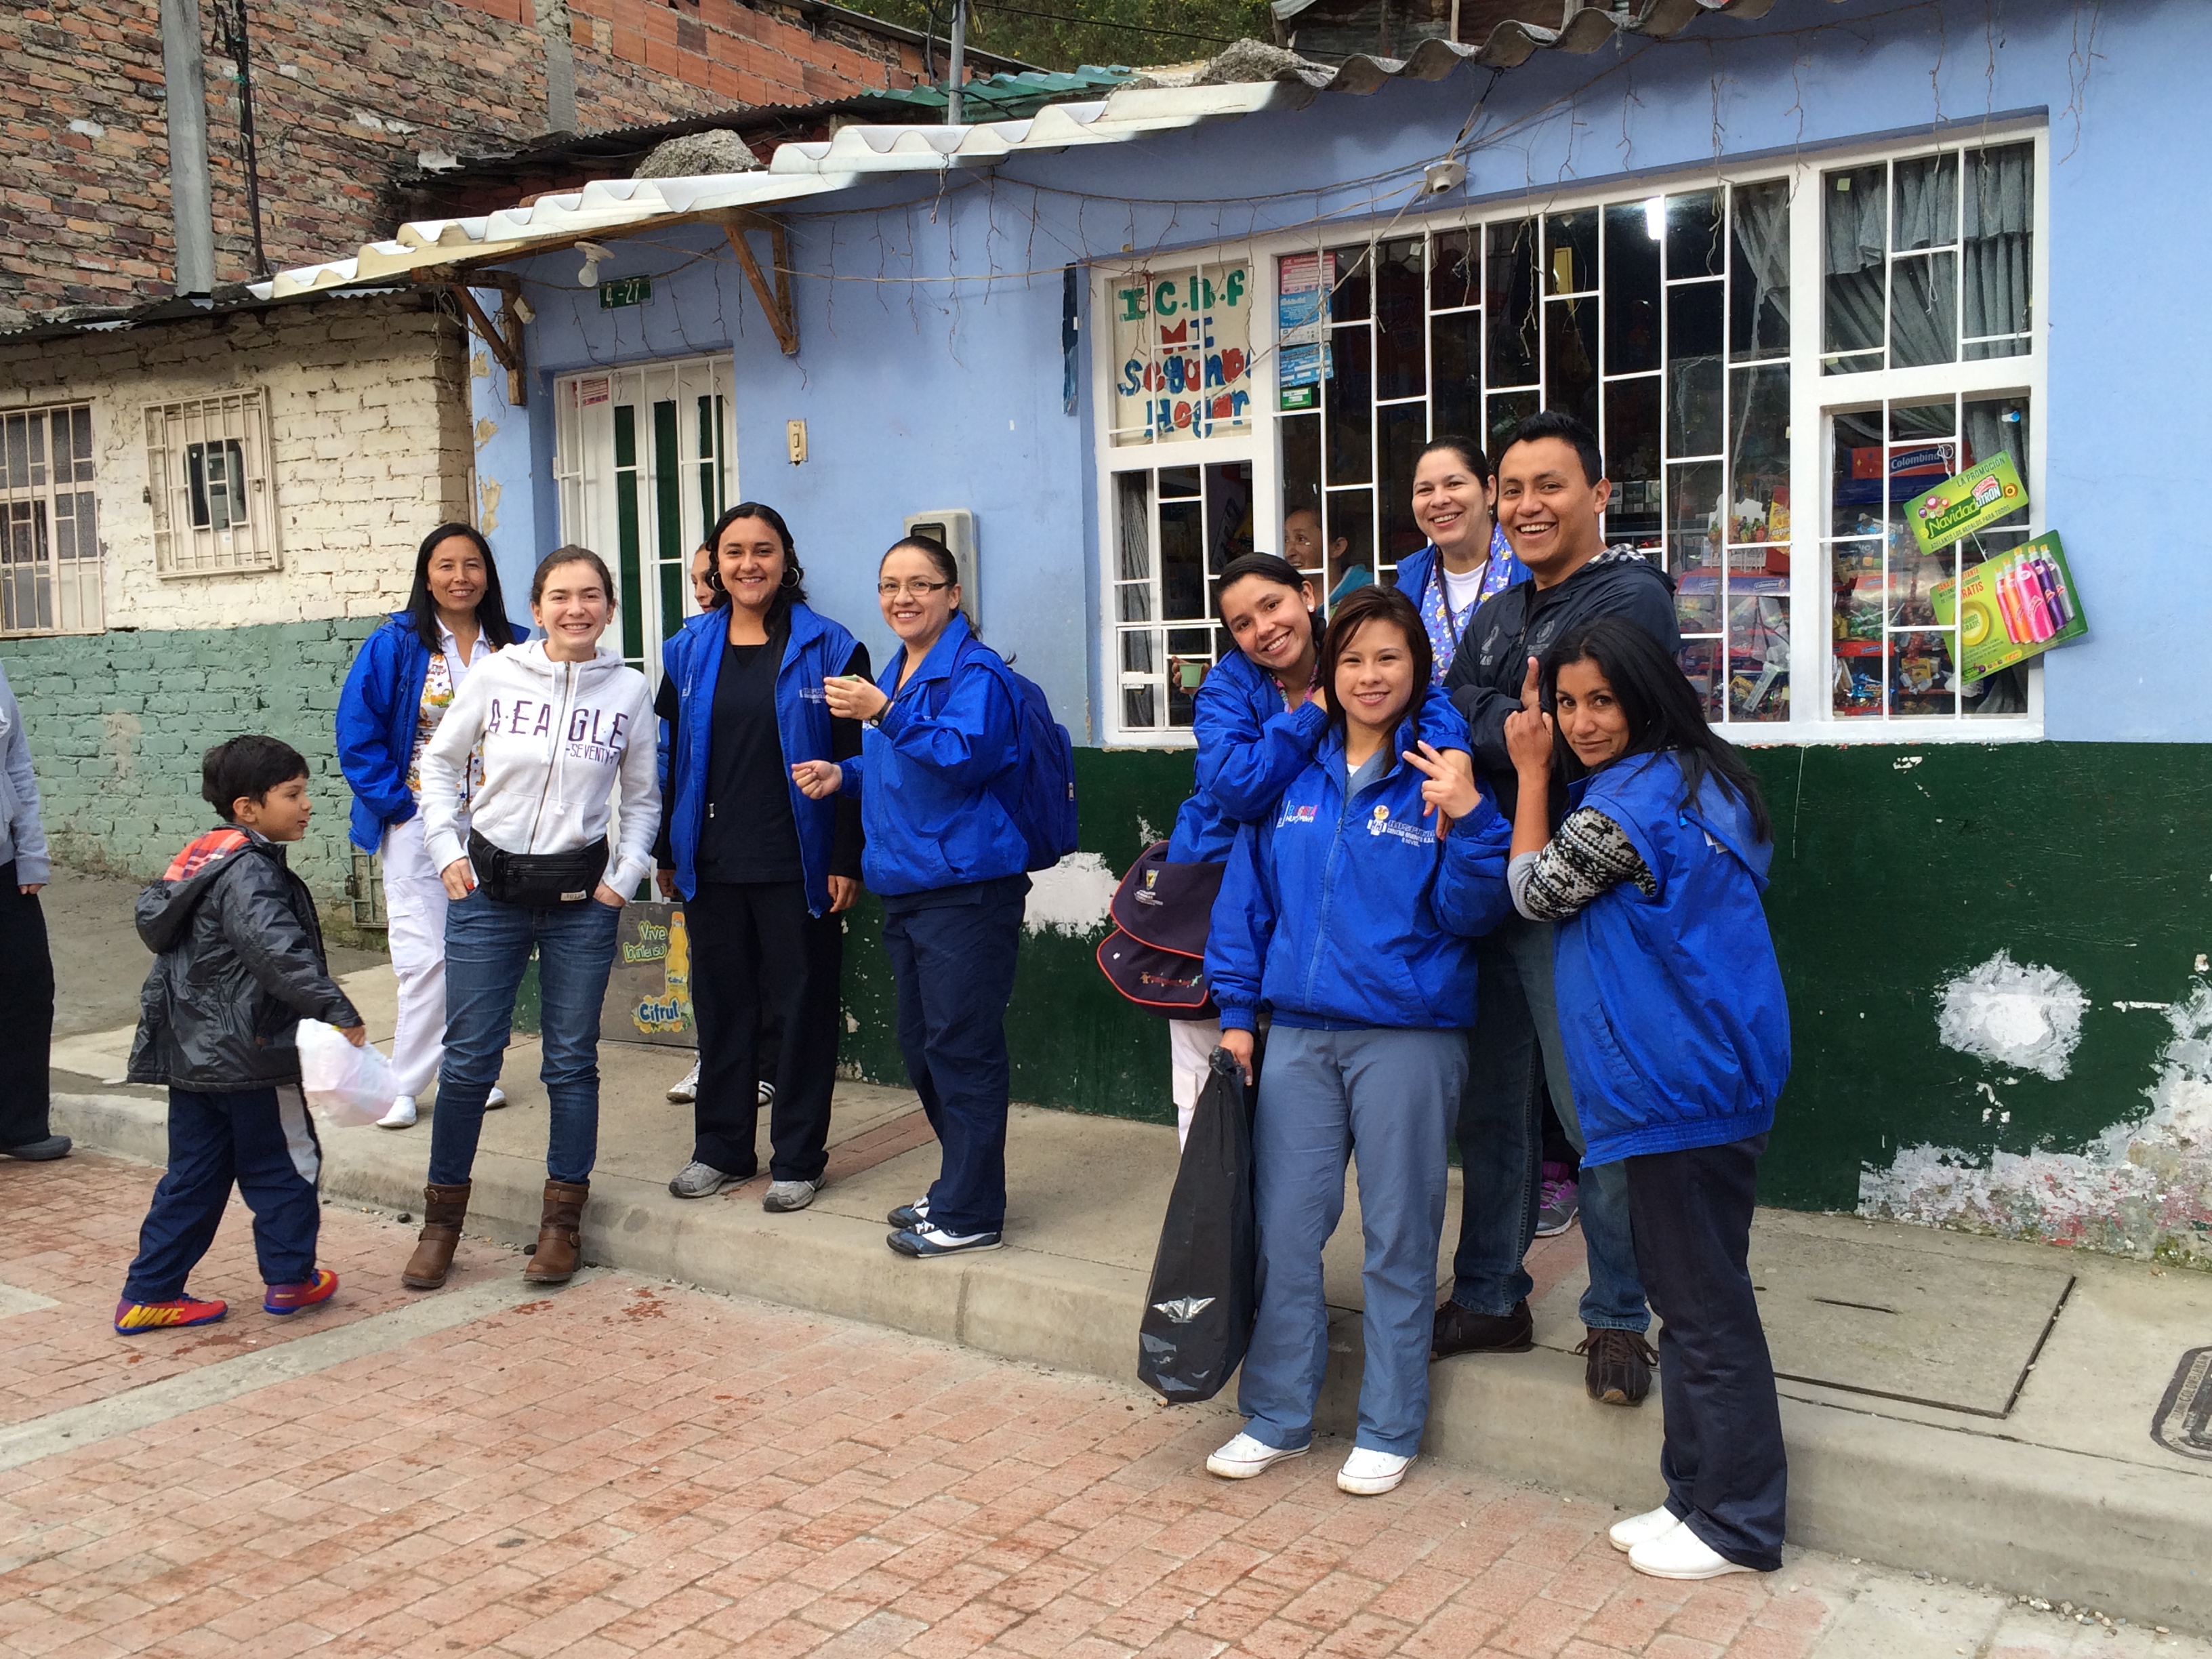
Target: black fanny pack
column 538, row 880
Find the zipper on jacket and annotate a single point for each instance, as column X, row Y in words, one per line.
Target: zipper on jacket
column 553, row 754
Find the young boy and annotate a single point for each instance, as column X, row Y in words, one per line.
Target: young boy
column 239, row 961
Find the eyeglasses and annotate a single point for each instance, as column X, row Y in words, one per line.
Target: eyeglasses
column 916, row 588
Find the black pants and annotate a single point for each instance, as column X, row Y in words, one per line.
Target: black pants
column 26, row 1014
column 1722, row 1459
column 755, row 949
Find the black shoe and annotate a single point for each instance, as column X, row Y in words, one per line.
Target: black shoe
column 1462, row 1330
column 908, row 1216
column 1620, row 1368
column 39, row 1151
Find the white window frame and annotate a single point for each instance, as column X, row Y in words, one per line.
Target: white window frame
column 74, row 597
column 1815, row 398
column 183, row 548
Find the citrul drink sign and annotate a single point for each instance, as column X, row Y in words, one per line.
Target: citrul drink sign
column 2011, row 608
column 1959, row 505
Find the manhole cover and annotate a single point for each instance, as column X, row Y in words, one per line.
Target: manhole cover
column 2183, row 1422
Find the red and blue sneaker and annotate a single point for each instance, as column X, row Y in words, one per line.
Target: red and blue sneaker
column 284, row 1300
column 133, row 1317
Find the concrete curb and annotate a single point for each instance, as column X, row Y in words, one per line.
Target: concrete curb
column 2128, row 1539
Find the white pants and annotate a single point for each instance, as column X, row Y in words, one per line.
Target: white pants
column 414, row 912
column 1191, row 1044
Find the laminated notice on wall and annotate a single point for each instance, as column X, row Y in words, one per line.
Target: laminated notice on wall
column 1959, row 507
column 2010, row 608
column 1302, row 349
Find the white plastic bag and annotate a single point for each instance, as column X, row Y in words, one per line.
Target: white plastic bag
column 350, row 1086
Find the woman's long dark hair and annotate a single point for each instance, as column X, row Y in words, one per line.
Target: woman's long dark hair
column 1662, row 711
column 492, row 609
column 1269, row 567
column 793, row 588
column 1353, row 611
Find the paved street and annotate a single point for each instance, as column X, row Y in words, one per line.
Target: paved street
column 628, row 1467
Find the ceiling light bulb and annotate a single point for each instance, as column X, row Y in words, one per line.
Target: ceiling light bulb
column 593, row 253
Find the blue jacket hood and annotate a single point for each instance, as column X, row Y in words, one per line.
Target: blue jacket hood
column 1672, row 1007
column 1347, row 912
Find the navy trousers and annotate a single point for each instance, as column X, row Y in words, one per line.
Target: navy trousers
column 954, row 962
column 264, row 1141
column 26, row 1014
column 1727, row 1475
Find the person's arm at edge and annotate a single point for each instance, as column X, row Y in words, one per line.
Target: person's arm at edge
column 33, row 868
column 640, row 783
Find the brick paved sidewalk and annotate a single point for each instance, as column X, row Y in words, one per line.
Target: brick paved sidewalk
column 623, row 1467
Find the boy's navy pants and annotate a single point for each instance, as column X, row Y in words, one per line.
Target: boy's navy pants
column 264, row 1141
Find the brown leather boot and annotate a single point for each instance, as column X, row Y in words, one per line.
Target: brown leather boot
column 560, row 1235
column 444, row 1209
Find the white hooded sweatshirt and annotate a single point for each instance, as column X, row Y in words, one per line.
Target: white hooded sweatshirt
column 555, row 736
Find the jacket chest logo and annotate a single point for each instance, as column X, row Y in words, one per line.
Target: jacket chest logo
column 1305, row 814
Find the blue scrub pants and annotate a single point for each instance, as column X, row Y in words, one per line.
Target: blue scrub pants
column 488, row 945
column 1727, row 1475
column 952, row 954
column 1516, row 1028
column 1388, row 1097
column 263, row 1139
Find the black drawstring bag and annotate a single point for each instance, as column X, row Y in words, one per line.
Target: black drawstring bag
column 1205, row 1295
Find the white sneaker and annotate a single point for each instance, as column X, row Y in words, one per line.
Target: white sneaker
column 685, row 1088
column 1680, row 1553
column 1643, row 1528
column 765, row 1094
column 401, row 1116
column 495, row 1099
column 1370, row 1473
column 1244, row 1457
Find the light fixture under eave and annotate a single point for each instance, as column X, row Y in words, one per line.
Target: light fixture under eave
column 593, row 255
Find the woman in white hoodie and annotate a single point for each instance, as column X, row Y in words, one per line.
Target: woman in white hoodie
column 561, row 723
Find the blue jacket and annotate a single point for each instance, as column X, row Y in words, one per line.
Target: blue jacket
column 1676, row 1028
column 377, row 714
column 1249, row 747
column 926, row 767
column 814, row 649
column 1345, row 913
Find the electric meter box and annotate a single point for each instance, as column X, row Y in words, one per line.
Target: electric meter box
column 956, row 527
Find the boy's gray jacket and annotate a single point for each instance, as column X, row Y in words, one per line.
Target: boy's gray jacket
column 239, row 961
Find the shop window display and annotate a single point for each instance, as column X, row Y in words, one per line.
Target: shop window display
column 1662, row 321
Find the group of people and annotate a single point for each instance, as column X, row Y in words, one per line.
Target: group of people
column 1480, row 857
column 522, row 790
column 1483, row 854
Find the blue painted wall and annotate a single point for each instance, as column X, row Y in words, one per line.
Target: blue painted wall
column 920, row 391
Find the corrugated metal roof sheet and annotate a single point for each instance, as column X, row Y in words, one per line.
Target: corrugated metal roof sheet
column 1006, row 96
column 605, row 209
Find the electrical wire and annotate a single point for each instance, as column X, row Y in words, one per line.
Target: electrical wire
column 1111, row 28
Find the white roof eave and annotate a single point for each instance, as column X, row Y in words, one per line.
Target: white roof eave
column 609, row 207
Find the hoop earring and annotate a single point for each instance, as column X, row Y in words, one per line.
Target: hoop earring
column 792, row 575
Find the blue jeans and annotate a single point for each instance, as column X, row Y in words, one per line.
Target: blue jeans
column 1389, row 1097
column 952, row 955
column 488, row 945
column 262, row 1138
column 1516, row 1027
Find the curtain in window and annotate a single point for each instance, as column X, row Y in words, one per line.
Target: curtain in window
column 1998, row 208
column 1855, row 244
column 1760, row 219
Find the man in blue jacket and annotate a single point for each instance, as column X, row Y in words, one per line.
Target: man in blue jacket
column 1552, row 493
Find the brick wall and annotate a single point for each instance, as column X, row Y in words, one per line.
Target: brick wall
column 346, row 98
column 117, row 723
column 369, row 443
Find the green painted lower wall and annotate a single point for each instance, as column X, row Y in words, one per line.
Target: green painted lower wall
column 118, row 721
column 1897, row 870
